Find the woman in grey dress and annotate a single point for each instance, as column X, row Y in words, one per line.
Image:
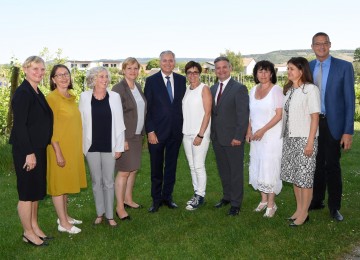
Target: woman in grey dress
column 134, row 107
column 300, row 131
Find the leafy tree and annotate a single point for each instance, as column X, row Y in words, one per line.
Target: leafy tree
column 154, row 63
column 310, row 57
column 50, row 61
column 235, row 60
column 181, row 65
column 357, row 55
column 356, row 62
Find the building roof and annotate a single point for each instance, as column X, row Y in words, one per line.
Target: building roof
column 247, row 61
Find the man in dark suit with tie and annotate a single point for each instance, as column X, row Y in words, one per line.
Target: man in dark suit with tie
column 335, row 78
column 164, row 92
column 230, row 118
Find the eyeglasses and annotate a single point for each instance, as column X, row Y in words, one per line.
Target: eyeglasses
column 192, row 73
column 64, row 75
column 318, row 44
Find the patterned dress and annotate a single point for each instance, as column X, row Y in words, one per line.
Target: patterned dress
column 296, row 167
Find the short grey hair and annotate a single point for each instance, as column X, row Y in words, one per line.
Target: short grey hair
column 222, row 58
column 320, row 34
column 167, row 52
column 93, row 73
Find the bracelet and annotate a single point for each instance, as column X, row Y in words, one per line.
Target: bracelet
column 200, row 136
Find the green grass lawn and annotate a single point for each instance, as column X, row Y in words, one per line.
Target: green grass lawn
column 181, row 234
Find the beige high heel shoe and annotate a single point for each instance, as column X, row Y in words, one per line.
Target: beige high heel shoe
column 262, row 206
column 270, row 212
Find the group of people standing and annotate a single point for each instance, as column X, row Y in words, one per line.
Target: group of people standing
column 297, row 137
column 50, row 136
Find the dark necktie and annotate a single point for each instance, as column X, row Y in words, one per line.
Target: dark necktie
column 169, row 90
column 219, row 95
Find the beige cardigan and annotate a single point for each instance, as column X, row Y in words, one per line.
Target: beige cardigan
column 304, row 101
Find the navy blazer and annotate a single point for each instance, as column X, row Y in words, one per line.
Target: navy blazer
column 163, row 117
column 230, row 117
column 339, row 97
column 33, row 119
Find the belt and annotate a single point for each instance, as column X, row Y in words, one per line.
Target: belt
column 322, row 116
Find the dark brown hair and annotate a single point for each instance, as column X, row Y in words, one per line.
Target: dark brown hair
column 52, row 75
column 192, row 64
column 302, row 64
column 265, row 65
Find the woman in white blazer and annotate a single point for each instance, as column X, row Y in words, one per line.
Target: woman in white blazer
column 103, row 138
column 300, row 130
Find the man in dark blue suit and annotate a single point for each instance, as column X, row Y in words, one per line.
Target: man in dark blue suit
column 164, row 92
column 335, row 78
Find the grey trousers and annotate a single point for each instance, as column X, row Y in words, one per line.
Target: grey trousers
column 102, row 175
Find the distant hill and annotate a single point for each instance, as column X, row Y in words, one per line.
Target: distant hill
column 282, row 56
column 276, row 57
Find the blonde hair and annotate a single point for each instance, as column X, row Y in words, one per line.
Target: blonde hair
column 93, row 73
column 129, row 61
column 32, row 59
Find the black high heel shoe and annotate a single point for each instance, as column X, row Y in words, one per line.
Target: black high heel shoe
column 47, row 238
column 130, row 207
column 295, row 225
column 26, row 240
column 124, row 218
column 290, row 219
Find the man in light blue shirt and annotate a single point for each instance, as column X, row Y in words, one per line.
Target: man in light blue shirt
column 335, row 78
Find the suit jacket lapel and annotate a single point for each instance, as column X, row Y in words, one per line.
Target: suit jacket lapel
column 213, row 92
column 331, row 75
column 225, row 91
column 176, row 89
column 128, row 92
column 40, row 98
column 162, row 88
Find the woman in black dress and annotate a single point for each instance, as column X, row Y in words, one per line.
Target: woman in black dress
column 30, row 135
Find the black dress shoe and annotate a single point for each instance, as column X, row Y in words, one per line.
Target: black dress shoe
column 315, row 206
column 335, row 214
column 170, row 204
column 154, row 208
column 221, row 203
column 295, row 225
column 234, row 211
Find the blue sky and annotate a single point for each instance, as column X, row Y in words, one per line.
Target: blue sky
column 116, row 29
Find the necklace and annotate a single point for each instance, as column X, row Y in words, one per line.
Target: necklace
column 99, row 97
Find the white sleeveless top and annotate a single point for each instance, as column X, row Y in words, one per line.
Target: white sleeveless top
column 193, row 111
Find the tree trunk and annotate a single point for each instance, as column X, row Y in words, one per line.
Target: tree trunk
column 14, row 84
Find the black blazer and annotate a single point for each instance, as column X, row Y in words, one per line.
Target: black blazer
column 163, row 117
column 33, row 119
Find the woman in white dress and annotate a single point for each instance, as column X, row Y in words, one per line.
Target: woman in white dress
column 264, row 136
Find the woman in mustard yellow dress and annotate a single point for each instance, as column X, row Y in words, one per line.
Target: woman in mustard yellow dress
column 66, row 168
